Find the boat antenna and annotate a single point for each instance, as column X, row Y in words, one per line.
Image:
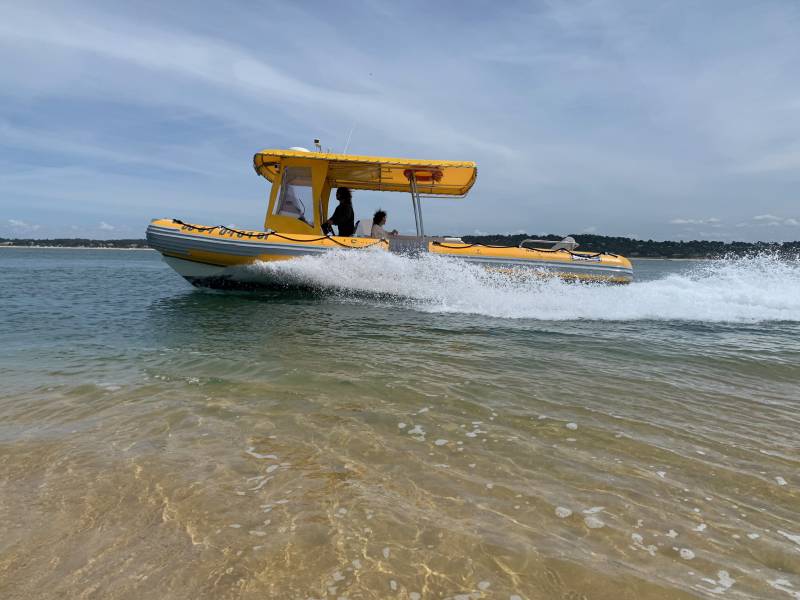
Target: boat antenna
column 349, row 137
column 350, row 134
column 317, row 145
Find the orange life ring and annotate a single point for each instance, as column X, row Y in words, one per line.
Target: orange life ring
column 424, row 175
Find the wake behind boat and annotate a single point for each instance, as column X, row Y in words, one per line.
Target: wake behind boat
column 301, row 184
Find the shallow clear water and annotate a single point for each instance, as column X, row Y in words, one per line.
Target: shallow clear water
column 409, row 429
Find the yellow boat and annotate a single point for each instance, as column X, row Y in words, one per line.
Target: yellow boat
column 301, row 184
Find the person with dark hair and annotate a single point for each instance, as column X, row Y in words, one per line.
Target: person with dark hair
column 378, row 221
column 343, row 217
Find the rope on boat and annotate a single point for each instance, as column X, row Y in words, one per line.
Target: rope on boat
column 570, row 252
column 263, row 235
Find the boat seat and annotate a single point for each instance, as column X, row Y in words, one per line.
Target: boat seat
column 364, row 228
column 568, row 243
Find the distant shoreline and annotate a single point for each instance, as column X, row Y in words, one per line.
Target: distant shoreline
column 648, row 249
column 75, row 248
column 628, row 247
column 154, row 250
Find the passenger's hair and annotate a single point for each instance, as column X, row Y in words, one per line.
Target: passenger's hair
column 344, row 194
column 379, row 216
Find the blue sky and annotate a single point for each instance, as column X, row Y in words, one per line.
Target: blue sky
column 663, row 120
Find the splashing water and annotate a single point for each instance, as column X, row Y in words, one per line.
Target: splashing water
column 752, row 289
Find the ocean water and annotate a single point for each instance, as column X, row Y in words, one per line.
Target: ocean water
column 391, row 428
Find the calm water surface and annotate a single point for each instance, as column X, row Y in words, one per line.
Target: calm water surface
column 438, row 433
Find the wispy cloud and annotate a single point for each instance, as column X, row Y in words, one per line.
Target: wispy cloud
column 774, row 221
column 227, row 68
column 81, row 148
column 708, row 221
column 769, row 220
column 21, row 226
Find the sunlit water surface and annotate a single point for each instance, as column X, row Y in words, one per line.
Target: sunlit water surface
column 404, row 429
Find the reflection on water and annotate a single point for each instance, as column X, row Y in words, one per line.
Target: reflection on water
column 159, row 441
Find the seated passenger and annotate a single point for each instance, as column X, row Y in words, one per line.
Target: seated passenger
column 343, row 217
column 378, row 221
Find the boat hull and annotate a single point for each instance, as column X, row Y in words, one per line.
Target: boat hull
column 218, row 257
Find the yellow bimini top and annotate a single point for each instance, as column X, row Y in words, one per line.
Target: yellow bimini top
column 378, row 173
column 295, row 173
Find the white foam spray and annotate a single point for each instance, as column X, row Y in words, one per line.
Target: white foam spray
column 753, row 289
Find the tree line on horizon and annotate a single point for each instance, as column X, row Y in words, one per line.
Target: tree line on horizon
column 634, row 248
column 588, row 242
column 74, row 243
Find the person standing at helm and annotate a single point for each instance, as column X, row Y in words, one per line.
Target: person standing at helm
column 343, row 217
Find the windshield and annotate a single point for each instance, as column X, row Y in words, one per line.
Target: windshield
column 296, row 198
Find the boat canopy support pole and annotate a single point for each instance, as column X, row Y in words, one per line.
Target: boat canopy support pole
column 414, row 207
column 417, row 205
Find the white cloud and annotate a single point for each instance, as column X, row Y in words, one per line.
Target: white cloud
column 229, row 70
column 20, row 225
column 775, row 221
column 106, row 227
column 709, row 221
column 768, row 220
